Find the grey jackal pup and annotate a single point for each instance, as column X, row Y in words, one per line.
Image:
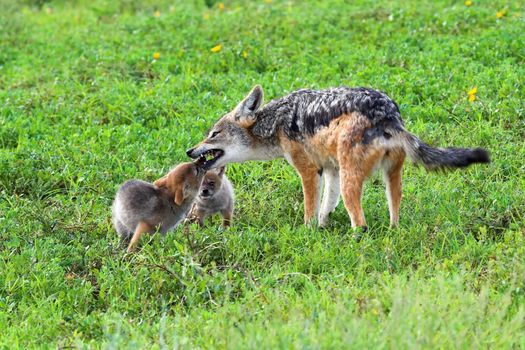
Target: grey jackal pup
column 141, row 207
column 216, row 196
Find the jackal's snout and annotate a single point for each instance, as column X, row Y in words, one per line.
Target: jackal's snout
column 190, row 153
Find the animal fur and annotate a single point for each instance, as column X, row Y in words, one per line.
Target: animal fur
column 141, row 207
column 336, row 136
column 215, row 196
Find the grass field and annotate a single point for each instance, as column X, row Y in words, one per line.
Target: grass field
column 84, row 106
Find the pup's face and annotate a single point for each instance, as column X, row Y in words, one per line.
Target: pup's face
column 184, row 180
column 230, row 140
column 212, row 183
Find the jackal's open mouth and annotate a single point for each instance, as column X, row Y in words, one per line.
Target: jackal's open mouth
column 211, row 156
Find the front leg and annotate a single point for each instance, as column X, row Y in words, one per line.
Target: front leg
column 311, row 181
column 331, row 195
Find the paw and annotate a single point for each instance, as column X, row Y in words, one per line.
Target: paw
column 323, row 221
column 311, row 223
column 359, row 232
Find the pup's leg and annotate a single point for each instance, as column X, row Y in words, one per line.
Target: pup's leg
column 331, row 195
column 142, row 227
column 356, row 163
column 227, row 217
column 123, row 231
column 392, row 174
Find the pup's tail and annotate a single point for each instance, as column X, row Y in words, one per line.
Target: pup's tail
column 440, row 158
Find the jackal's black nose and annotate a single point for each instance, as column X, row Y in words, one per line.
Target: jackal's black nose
column 189, row 152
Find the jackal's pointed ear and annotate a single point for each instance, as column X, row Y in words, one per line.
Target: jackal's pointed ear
column 251, row 103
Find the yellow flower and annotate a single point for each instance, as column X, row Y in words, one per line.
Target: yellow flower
column 245, row 54
column 468, row 3
column 500, row 14
column 220, row 5
column 216, row 48
column 472, row 94
column 156, row 13
column 156, row 55
column 206, row 16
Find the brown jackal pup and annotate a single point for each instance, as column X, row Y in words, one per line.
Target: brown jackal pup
column 216, row 196
column 141, row 207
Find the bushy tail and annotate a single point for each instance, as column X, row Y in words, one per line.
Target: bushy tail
column 441, row 158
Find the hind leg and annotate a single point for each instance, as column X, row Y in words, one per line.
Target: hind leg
column 356, row 163
column 142, row 228
column 392, row 174
column 226, row 217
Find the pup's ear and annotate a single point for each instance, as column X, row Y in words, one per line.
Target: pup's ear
column 179, row 194
column 161, row 182
column 250, row 104
column 220, row 171
column 175, row 187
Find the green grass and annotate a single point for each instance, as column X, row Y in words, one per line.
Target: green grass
column 83, row 107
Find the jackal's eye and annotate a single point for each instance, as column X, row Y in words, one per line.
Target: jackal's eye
column 215, row 133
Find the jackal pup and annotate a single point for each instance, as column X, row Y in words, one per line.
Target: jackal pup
column 337, row 136
column 141, row 207
column 215, row 196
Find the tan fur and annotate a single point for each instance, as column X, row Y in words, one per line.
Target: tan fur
column 308, row 171
column 245, row 123
column 176, row 181
column 392, row 172
column 142, row 228
column 339, row 145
